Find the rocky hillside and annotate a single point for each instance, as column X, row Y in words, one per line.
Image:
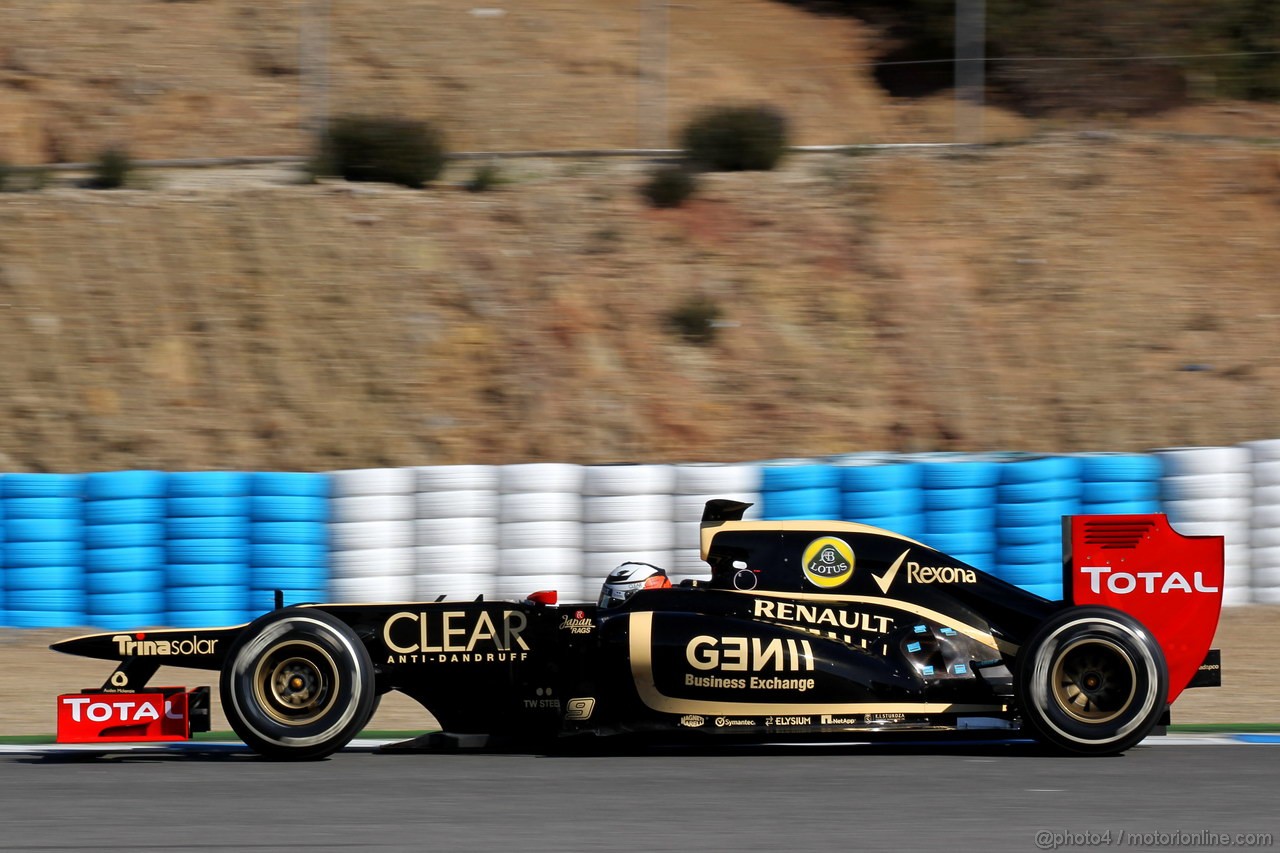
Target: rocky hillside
column 204, row 78
column 1063, row 291
column 235, row 77
column 1067, row 294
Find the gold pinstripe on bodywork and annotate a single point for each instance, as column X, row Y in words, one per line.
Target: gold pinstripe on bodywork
column 979, row 634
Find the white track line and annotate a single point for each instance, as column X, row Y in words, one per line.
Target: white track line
column 221, row 746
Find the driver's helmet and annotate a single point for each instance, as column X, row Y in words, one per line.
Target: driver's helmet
column 624, row 581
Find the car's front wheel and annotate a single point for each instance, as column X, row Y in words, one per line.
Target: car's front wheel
column 297, row 684
column 1091, row 680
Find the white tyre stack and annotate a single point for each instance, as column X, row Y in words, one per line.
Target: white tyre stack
column 539, row 531
column 457, row 532
column 627, row 512
column 1264, row 532
column 695, row 484
column 1208, row 491
column 371, row 535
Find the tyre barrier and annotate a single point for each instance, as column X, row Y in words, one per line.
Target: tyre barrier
column 628, row 514
column 1032, row 496
column 124, row 556
column 207, row 539
column 371, row 534
column 185, row 549
column 283, row 553
column 883, row 492
column 799, row 489
column 4, row 580
column 43, row 550
column 1210, row 490
column 539, row 531
column 1119, row 483
column 695, row 484
column 456, row 531
column 1264, row 520
column 959, row 498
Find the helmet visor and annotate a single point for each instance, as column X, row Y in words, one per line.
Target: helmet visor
column 613, row 595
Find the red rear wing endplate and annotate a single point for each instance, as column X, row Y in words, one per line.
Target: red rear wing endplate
column 1139, row 564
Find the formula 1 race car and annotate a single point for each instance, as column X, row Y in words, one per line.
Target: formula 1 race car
column 805, row 629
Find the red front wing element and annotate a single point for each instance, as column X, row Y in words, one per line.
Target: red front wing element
column 1170, row 583
column 97, row 717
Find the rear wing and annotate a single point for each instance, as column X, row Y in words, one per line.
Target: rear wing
column 1169, row 582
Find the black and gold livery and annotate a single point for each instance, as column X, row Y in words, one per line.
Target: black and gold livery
column 802, row 628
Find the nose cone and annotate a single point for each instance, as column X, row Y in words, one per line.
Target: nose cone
column 101, row 646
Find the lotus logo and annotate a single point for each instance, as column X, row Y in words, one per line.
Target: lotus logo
column 692, row 721
column 828, row 562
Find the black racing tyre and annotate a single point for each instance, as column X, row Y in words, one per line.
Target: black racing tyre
column 297, row 684
column 1091, row 681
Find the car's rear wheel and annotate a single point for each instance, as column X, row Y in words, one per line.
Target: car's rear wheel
column 297, row 684
column 1091, row 680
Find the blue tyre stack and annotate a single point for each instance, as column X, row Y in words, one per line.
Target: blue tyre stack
column 884, row 494
column 208, row 548
column 4, row 613
column 1033, row 496
column 124, row 548
column 289, row 547
column 792, row 488
column 1119, row 483
column 43, row 550
column 959, row 495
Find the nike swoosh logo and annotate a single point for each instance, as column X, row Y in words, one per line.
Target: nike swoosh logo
column 887, row 581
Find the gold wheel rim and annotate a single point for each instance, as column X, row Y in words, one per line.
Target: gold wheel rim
column 1094, row 680
column 296, row 682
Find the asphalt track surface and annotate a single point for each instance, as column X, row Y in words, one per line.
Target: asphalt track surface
column 900, row 798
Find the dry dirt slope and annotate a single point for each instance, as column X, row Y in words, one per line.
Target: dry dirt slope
column 1114, row 292
column 240, row 77
column 226, row 76
column 1063, row 295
